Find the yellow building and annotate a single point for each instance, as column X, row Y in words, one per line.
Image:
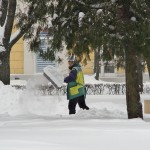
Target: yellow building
column 17, row 58
column 89, row 68
column 21, row 60
column 108, row 70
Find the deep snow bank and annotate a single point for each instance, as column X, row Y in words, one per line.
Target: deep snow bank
column 9, row 100
column 30, row 102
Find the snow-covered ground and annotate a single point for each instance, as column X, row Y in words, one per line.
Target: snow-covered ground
column 29, row 121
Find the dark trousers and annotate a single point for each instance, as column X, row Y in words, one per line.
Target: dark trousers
column 73, row 102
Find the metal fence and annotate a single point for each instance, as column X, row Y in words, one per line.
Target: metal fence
column 92, row 89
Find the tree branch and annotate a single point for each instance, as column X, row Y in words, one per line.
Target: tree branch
column 3, row 11
column 9, row 21
column 15, row 37
column 95, row 6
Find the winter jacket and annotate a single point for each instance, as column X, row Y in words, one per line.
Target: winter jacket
column 75, row 80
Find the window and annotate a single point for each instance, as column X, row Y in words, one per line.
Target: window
column 40, row 62
column 109, row 68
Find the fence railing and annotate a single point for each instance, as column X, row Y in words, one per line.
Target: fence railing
column 92, row 89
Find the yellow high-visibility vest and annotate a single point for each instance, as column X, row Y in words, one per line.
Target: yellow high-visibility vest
column 76, row 88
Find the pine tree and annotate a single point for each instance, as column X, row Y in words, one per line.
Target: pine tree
column 119, row 26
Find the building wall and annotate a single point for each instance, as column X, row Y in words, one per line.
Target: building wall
column 29, row 60
column 89, row 68
column 17, row 58
column 120, row 71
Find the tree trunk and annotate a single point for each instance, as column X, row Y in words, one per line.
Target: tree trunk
column 5, row 67
column 134, row 106
column 97, row 64
column 140, row 73
column 10, row 9
column 95, row 60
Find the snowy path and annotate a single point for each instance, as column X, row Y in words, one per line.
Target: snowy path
column 104, row 127
column 74, row 134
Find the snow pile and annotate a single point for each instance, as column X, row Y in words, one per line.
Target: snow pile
column 34, row 102
column 31, row 102
column 15, row 102
column 104, row 113
column 42, row 106
column 9, row 100
column 103, row 109
column 18, row 82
